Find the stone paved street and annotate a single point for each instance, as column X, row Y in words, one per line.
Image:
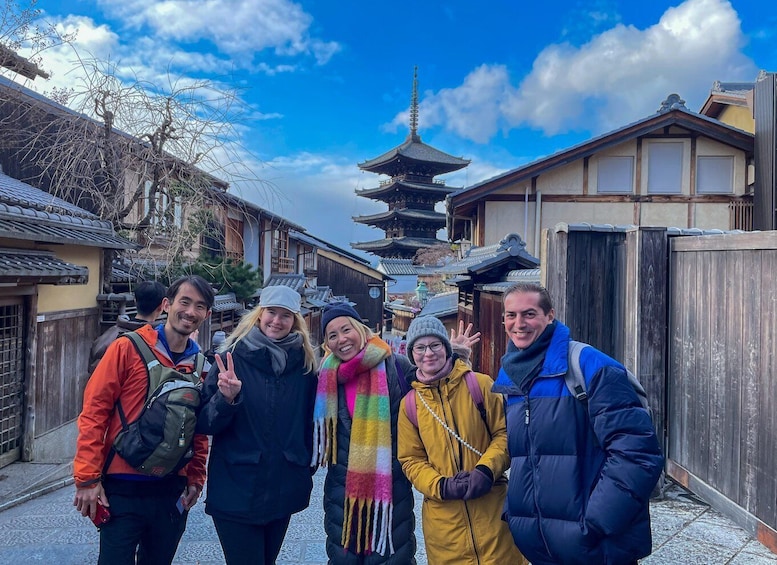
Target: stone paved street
column 47, row 529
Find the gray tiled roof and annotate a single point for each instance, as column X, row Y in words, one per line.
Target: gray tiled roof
column 479, row 259
column 442, row 304
column 519, row 275
column 417, row 151
column 296, row 282
column 438, row 188
column 40, row 267
column 403, row 214
column 31, row 214
column 401, row 242
column 397, row 267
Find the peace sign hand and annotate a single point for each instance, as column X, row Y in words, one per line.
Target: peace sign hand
column 228, row 383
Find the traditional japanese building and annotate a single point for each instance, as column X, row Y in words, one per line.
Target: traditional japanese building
column 411, row 192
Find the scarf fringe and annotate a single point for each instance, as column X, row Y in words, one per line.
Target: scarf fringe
column 324, row 442
column 374, row 526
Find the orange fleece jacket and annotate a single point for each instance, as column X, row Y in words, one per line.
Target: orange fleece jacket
column 121, row 375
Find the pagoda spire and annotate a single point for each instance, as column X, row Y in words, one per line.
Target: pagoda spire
column 413, row 135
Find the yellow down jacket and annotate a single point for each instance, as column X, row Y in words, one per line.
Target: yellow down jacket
column 458, row 531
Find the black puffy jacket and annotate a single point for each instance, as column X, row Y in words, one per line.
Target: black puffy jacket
column 334, row 488
column 259, row 466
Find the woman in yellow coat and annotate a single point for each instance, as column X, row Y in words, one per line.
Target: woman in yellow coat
column 454, row 456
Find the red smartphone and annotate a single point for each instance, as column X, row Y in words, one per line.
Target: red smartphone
column 101, row 516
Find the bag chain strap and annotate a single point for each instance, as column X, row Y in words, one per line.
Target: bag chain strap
column 444, row 425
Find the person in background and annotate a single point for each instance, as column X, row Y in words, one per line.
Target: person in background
column 148, row 514
column 148, row 301
column 258, row 407
column 453, row 455
column 582, row 470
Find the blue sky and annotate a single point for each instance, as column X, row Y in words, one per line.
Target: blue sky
column 501, row 82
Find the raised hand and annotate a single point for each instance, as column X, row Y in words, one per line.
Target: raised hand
column 464, row 338
column 228, row 383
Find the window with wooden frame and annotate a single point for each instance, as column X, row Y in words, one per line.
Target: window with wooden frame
column 715, row 174
column 665, row 167
column 233, row 239
column 281, row 263
column 615, row 175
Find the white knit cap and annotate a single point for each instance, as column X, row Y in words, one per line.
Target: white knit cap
column 281, row 296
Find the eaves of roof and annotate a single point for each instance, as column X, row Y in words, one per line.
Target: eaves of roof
column 510, row 249
column 401, row 214
column 396, row 242
column 39, row 267
column 678, row 116
column 440, row 190
column 397, row 267
column 416, row 150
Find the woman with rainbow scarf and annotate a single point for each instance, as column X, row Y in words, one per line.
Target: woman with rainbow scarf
column 368, row 502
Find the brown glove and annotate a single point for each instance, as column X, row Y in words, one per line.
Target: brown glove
column 455, row 487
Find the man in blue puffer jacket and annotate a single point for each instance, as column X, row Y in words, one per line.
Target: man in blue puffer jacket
column 581, row 472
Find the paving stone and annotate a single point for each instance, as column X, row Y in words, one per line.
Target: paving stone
column 681, row 551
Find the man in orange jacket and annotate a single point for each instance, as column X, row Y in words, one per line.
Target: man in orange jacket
column 148, row 514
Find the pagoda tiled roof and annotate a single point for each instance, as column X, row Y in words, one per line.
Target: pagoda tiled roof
column 398, row 185
column 416, row 150
column 396, row 243
column 402, row 214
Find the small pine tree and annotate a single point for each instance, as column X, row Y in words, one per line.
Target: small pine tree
column 227, row 275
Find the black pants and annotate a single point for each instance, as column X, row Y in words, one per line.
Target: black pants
column 251, row 544
column 144, row 519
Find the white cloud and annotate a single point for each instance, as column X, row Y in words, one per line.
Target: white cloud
column 317, row 191
column 617, row 77
column 237, row 28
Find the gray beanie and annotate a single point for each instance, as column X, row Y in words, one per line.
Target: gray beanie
column 426, row 326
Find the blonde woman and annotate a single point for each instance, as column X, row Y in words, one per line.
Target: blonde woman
column 258, row 406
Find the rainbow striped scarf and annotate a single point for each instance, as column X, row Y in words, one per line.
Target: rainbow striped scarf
column 368, row 504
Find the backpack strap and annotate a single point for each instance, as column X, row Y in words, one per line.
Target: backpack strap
column 149, row 359
column 143, row 350
column 411, row 409
column 574, row 378
column 475, row 393
column 477, row 396
column 199, row 363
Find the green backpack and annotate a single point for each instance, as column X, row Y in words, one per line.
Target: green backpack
column 159, row 442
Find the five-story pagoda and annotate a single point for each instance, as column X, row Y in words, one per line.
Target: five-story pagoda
column 411, row 192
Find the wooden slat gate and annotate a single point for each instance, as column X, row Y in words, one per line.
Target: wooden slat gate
column 722, row 386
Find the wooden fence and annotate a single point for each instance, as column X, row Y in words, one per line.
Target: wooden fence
column 695, row 317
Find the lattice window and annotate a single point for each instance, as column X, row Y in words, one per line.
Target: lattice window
column 11, row 376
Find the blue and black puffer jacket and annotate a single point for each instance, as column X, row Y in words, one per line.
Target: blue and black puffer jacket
column 581, row 473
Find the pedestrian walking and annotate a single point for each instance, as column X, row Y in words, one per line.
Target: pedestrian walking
column 453, row 448
column 258, row 407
